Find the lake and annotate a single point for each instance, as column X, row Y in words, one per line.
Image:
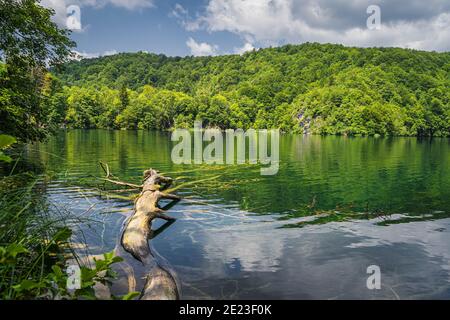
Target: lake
column 337, row 206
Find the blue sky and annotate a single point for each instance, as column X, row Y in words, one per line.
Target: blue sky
column 153, row 29
column 211, row 27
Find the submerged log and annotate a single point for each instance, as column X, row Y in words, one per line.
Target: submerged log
column 161, row 283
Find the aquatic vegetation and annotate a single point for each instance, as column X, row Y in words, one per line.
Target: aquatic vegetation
column 379, row 218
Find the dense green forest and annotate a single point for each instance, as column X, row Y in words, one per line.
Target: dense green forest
column 308, row 88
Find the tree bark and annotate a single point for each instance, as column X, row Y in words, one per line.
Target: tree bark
column 161, row 281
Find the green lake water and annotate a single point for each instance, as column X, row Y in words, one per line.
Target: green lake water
column 336, row 206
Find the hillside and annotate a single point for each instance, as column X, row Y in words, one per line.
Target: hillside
column 309, row 88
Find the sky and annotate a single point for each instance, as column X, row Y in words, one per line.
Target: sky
column 215, row 27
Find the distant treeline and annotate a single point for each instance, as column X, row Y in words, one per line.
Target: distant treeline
column 309, row 88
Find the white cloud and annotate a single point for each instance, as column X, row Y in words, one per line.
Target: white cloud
column 185, row 19
column 179, row 11
column 128, row 4
column 247, row 47
column 109, row 52
column 60, row 10
column 201, row 48
column 60, row 6
column 78, row 55
column 413, row 24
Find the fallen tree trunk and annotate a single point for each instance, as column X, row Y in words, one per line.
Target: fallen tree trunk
column 161, row 281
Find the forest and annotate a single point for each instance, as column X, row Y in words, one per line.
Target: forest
column 309, row 88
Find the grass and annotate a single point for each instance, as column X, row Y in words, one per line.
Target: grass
column 31, row 240
column 35, row 245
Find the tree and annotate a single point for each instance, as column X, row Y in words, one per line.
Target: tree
column 29, row 43
column 124, row 100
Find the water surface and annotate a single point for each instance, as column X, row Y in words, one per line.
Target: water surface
column 336, row 206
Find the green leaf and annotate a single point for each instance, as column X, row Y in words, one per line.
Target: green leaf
column 27, row 285
column 101, row 265
column 6, row 141
column 8, row 254
column 57, row 271
column 4, row 157
column 87, row 275
column 14, row 249
column 62, row 235
column 117, row 259
column 131, row 295
column 86, row 293
column 108, row 255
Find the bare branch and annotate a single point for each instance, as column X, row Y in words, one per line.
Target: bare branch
column 121, row 183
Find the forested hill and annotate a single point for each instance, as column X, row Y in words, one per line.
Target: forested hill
column 313, row 88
